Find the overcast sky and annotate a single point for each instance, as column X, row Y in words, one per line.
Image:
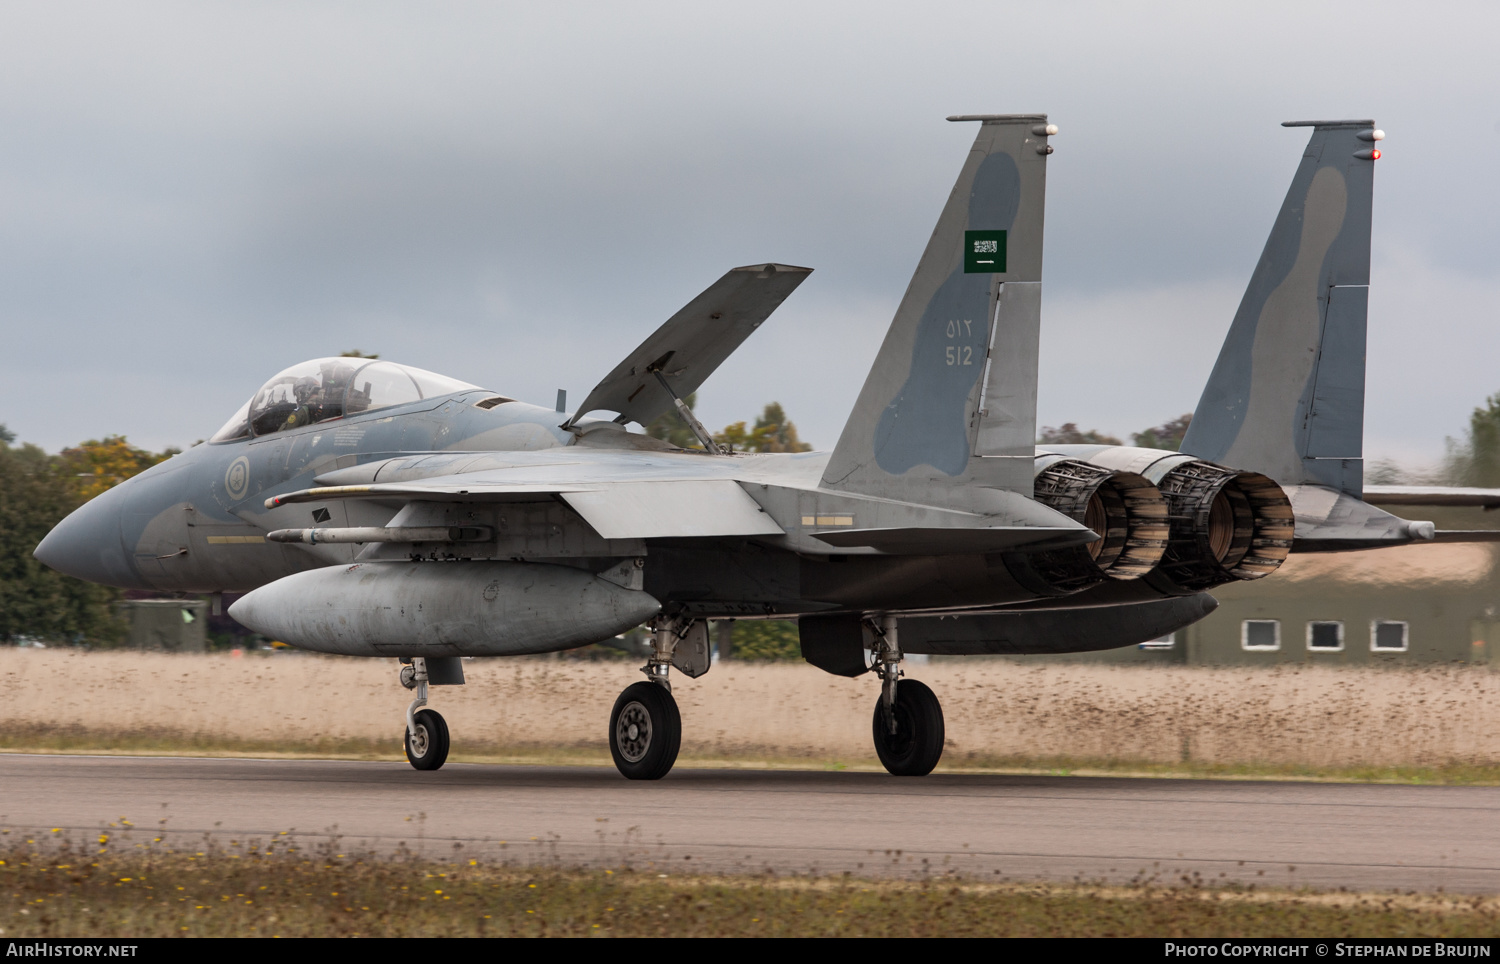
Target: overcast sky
column 194, row 196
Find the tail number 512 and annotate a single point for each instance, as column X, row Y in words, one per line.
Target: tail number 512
column 960, row 354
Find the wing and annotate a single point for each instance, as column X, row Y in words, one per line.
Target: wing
column 636, row 496
column 693, row 343
column 621, row 510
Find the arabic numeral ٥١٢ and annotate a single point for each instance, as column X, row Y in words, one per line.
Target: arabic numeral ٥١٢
column 963, row 328
column 960, row 354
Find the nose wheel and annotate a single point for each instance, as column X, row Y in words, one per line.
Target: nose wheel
column 645, row 728
column 645, row 731
column 426, row 737
column 427, row 741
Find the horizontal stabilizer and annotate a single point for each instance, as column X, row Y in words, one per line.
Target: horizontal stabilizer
column 1328, row 520
column 693, row 343
column 1432, row 495
column 1466, row 535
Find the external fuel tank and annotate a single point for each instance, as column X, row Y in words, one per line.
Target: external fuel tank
column 443, row 609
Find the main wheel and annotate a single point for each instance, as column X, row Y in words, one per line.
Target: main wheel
column 917, row 745
column 645, row 731
column 430, row 749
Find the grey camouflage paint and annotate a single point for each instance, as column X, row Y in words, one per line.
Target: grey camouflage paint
column 927, row 421
column 1286, row 396
column 914, row 427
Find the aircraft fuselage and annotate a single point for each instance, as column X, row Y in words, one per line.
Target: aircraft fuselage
column 198, row 522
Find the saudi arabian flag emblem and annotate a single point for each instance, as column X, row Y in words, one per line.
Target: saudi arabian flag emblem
column 984, row 252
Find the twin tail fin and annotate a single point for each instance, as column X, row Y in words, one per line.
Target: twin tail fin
column 947, row 415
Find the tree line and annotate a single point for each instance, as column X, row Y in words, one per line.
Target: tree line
column 771, row 432
column 1472, row 458
column 36, row 491
column 1168, row 435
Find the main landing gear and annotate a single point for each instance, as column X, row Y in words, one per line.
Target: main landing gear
column 908, row 724
column 645, row 731
column 426, row 730
column 645, row 728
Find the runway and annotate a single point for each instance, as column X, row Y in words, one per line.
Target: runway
column 1356, row 836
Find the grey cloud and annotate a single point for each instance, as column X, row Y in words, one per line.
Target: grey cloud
column 192, row 197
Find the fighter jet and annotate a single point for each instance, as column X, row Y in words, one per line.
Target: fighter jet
column 372, row 509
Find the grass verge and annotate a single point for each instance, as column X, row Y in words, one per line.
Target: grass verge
column 76, row 740
column 52, row 888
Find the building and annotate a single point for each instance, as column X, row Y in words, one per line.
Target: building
column 173, row 625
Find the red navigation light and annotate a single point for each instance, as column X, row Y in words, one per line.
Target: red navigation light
column 1375, row 155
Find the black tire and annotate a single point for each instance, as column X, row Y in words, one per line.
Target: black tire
column 432, row 739
column 645, row 731
column 917, row 745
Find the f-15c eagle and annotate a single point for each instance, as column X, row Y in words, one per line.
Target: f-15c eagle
column 372, row 509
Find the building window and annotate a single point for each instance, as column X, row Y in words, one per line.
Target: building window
column 1327, row 636
column 1260, row 634
column 1160, row 642
column 1387, row 636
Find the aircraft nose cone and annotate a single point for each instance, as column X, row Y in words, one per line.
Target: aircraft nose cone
column 87, row 545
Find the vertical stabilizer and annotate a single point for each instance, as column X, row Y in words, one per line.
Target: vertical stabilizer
column 947, row 414
column 1287, row 394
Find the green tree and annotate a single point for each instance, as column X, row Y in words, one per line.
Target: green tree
column 1476, row 459
column 1386, row 472
column 356, row 353
column 1069, row 434
column 670, row 426
column 762, row 640
column 1167, row 435
column 777, row 433
column 773, row 432
column 36, row 491
column 95, row 465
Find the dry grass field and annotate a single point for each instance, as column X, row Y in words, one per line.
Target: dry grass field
column 999, row 714
column 101, row 894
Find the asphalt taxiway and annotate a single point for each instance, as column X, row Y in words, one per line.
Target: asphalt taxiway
column 1280, row 834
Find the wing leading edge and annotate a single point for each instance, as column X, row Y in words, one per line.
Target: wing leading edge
column 622, row 510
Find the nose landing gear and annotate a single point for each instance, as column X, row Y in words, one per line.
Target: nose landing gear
column 426, row 731
column 645, row 727
column 645, row 731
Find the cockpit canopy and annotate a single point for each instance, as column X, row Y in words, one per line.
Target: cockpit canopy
column 329, row 388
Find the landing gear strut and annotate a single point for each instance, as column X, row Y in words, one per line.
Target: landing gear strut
column 426, row 730
column 645, row 728
column 908, row 724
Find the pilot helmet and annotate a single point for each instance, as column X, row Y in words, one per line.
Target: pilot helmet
column 306, row 389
